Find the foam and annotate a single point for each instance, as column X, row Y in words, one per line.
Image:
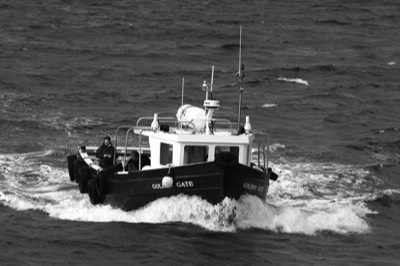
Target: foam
column 306, row 199
column 269, row 105
column 298, row 81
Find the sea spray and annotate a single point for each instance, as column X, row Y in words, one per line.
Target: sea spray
column 307, row 198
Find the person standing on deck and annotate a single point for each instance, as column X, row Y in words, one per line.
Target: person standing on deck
column 106, row 153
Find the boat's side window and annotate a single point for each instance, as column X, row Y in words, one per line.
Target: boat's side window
column 165, row 153
column 195, row 154
column 231, row 149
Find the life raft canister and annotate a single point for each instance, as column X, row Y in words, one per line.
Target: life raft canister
column 192, row 117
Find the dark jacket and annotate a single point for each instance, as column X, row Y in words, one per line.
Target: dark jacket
column 106, row 155
column 133, row 165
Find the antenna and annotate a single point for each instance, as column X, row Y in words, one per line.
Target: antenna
column 240, row 51
column 205, row 86
column 240, row 76
column 212, row 81
column 183, row 88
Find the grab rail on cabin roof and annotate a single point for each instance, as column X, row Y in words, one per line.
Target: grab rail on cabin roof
column 165, row 119
column 174, row 121
column 223, row 120
column 170, row 120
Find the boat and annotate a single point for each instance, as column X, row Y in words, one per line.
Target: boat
column 192, row 153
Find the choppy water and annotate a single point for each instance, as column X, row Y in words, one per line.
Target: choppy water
column 322, row 78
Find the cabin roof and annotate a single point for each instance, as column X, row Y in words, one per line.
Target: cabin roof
column 178, row 136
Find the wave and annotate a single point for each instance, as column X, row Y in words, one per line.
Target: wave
column 269, row 105
column 26, row 112
column 332, row 22
column 387, row 199
column 230, row 46
column 386, row 130
column 312, row 68
column 307, row 198
column 294, row 80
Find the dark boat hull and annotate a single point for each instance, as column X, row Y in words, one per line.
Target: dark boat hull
column 209, row 180
column 139, row 188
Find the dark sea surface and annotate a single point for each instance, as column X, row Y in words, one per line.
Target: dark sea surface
column 321, row 77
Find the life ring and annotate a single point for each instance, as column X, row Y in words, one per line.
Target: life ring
column 71, row 169
column 226, row 159
column 94, row 195
column 84, row 175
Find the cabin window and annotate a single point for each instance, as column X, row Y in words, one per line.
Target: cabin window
column 195, row 154
column 231, row 149
column 165, row 153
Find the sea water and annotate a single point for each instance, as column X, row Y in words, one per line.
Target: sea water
column 321, row 78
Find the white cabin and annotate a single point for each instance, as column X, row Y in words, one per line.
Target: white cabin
column 194, row 137
column 180, row 148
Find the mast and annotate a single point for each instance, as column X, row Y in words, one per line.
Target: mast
column 240, row 76
column 183, row 88
column 210, row 105
column 205, row 86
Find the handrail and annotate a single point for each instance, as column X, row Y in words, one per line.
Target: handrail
column 167, row 119
column 130, row 129
column 140, row 148
column 170, row 119
column 265, row 156
column 116, row 140
column 227, row 121
column 264, row 141
column 151, row 118
column 126, row 146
